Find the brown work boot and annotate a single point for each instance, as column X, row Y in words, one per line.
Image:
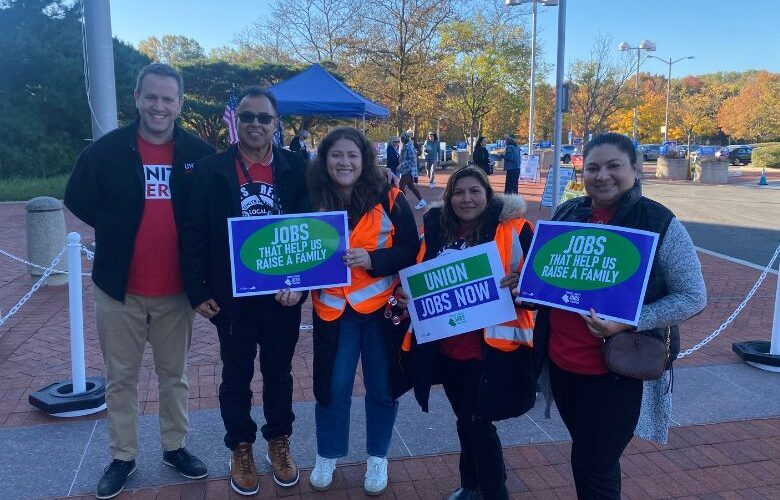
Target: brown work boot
column 243, row 475
column 282, row 462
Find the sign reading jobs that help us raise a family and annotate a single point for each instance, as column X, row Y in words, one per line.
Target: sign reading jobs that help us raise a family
column 457, row 292
column 299, row 251
column 578, row 266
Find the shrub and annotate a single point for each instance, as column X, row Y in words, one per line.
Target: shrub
column 767, row 156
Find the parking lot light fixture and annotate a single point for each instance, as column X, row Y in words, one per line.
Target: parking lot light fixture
column 532, row 90
column 670, row 62
column 646, row 45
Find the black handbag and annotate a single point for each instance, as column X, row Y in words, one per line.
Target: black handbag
column 637, row 355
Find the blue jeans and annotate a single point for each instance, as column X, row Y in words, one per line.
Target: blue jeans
column 360, row 337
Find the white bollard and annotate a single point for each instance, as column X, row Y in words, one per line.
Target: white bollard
column 76, row 309
column 774, row 346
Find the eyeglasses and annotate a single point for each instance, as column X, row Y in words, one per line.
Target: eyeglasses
column 262, row 118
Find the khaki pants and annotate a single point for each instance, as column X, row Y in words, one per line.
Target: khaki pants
column 124, row 330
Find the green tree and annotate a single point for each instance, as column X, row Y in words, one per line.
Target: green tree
column 44, row 112
column 171, row 49
column 487, row 58
column 207, row 87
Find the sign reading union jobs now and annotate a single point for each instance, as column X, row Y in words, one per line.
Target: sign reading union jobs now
column 457, row 292
column 298, row 251
column 576, row 266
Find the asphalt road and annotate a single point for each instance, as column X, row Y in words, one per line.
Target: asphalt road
column 739, row 221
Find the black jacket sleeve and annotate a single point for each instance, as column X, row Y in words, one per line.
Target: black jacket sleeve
column 82, row 193
column 406, row 242
column 195, row 240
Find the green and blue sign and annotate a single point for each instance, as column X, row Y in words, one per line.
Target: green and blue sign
column 457, row 292
column 578, row 266
column 299, row 251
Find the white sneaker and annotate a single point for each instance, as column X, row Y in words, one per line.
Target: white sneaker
column 433, row 184
column 322, row 475
column 421, row 204
column 376, row 476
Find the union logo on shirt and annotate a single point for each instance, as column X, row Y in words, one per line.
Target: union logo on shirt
column 157, row 182
column 252, row 205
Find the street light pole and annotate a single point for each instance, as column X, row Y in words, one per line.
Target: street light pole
column 533, row 81
column 636, row 95
column 556, row 165
column 549, row 3
column 668, row 89
column 643, row 45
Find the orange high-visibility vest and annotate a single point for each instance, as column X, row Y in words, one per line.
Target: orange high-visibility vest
column 518, row 332
column 366, row 294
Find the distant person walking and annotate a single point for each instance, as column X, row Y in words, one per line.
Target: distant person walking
column 408, row 170
column 432, row 154
column 511, row 165
column 481, row 156
column 393, row 158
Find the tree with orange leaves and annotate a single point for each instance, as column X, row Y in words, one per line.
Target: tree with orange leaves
column 754, row 113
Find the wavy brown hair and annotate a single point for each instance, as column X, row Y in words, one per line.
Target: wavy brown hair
column 368, row 189
column 450, row 222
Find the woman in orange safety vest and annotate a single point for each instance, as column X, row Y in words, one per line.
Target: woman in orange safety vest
column 487, row 374
column 348, row 320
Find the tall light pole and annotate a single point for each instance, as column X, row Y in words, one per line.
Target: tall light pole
column 643, row 45
column 668, row 88
column 532, row 92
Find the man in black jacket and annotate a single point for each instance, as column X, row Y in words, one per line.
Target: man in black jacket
column 132, row 186
column 252, row 178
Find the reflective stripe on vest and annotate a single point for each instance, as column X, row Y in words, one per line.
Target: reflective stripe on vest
column 331, row 300
column 366, row 294
column 510, row 334
column 375, row 288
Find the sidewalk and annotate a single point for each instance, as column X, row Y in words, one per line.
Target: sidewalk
column 34, row 351
column 738, row 460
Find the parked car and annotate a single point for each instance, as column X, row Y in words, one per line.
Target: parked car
column 650, row 151
column 566, row 153
column 737, row 155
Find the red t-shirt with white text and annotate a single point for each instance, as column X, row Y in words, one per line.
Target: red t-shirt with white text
column 154, row 268
column 572, row 346
column 262, row 176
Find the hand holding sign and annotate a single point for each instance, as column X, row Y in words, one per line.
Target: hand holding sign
column 357, row 257
column 603, row 328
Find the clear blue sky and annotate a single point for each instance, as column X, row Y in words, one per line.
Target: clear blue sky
column 722, row 35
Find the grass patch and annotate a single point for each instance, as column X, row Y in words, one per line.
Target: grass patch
column 27, row 188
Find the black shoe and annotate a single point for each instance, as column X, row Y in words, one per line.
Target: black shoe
column 464, row 494
column 114, row 478
column 186, row 463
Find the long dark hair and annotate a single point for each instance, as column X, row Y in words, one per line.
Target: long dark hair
column 369, row 188
column 449, row 221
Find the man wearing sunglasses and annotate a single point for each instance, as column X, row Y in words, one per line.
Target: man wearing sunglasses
column 251, row 178
column 132, row 185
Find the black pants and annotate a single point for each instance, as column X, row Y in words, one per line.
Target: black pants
column 275, row 329
column 600, row 412
column 512, row 176
column 481, row 457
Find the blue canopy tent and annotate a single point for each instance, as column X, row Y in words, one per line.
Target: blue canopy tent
column 315, row 92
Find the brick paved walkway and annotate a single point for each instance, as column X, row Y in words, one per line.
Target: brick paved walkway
column 738, row 460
